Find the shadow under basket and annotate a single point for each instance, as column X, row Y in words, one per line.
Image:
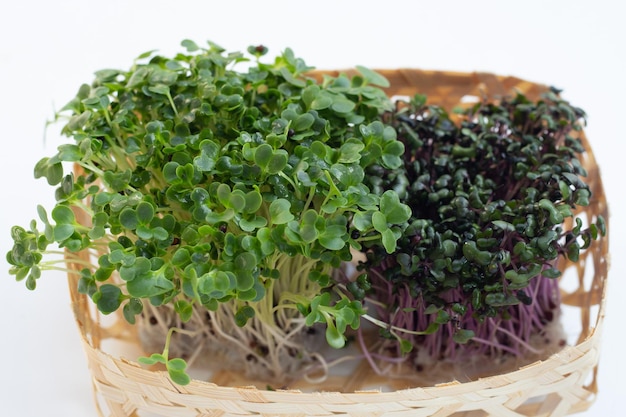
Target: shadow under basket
column 560, row 384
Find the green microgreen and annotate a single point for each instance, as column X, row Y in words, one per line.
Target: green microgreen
column 205, row 184
column 176, row 367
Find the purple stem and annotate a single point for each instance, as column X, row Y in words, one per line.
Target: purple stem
column 493, row 335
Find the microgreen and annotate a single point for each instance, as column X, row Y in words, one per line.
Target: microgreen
column 176, row 367
column 207, row 185
column 490, row 189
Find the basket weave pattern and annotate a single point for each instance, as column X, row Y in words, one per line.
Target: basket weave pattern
column 562, row 384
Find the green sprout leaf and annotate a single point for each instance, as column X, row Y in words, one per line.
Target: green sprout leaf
column 52, row 171
column 462, row 336
column 280, row 211
column 132, row 308
column 373, row 77
column 395, row 212
column 108, row 298
column 176, row 369
column 334, row 338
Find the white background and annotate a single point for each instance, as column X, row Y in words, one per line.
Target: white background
column 48, row 48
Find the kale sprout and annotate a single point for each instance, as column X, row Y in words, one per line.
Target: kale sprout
column 490, row 189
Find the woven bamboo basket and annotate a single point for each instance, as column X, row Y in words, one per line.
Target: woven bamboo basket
column 560, row 384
